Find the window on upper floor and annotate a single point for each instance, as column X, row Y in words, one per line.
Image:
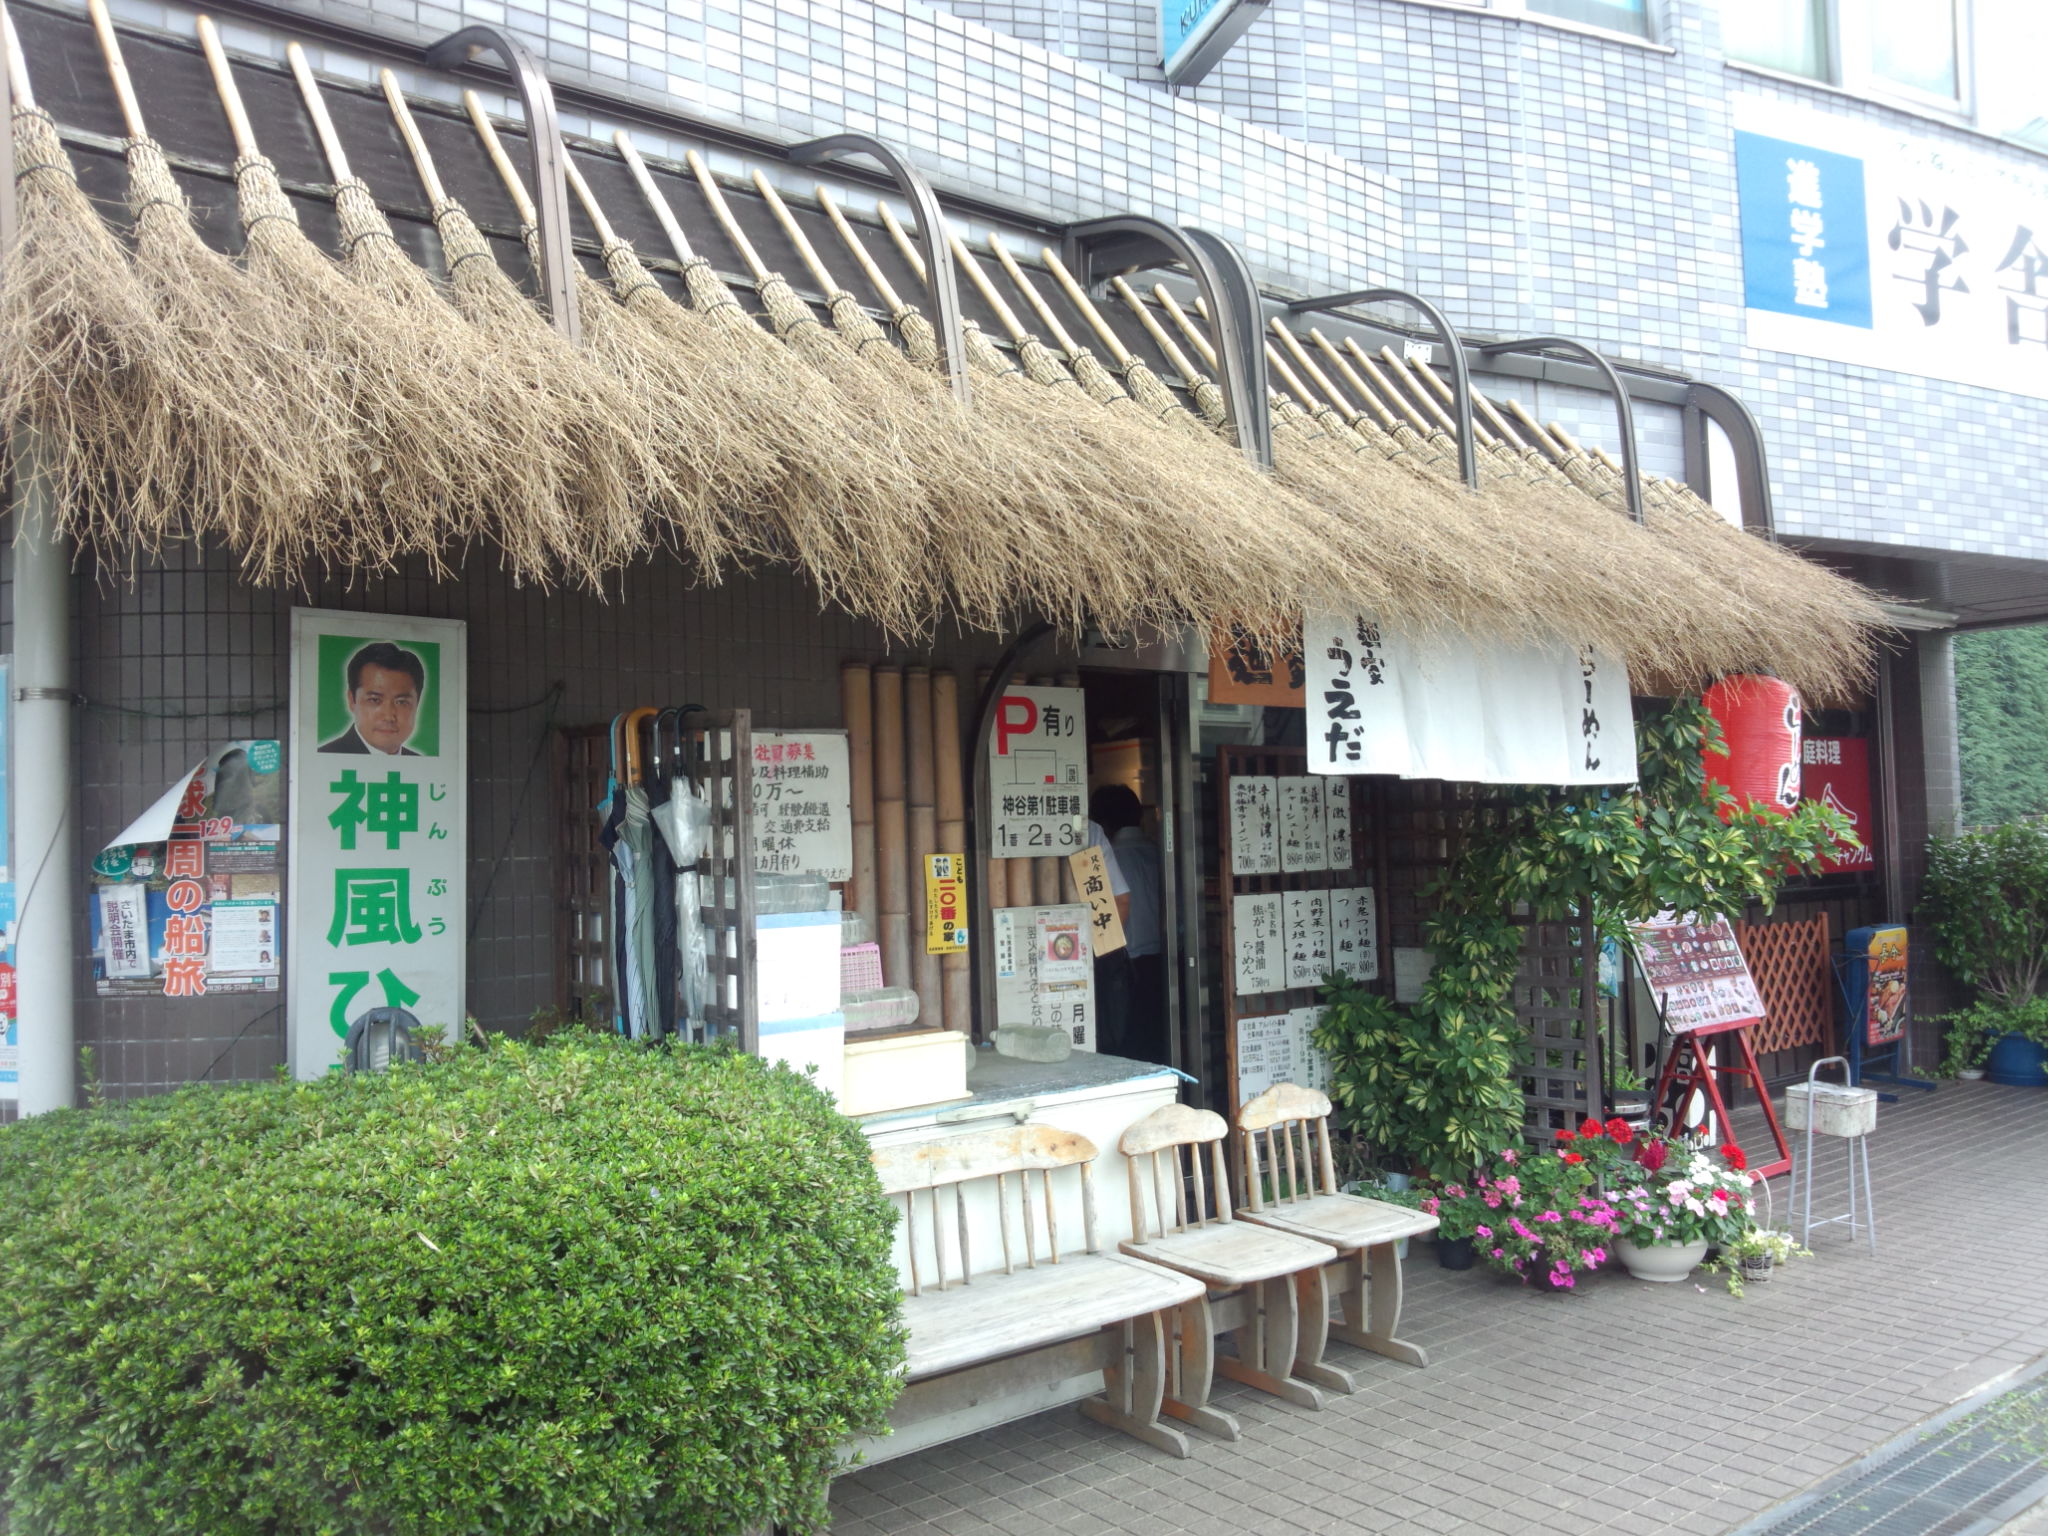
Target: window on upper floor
column 1915, row 50
column 1632, row 16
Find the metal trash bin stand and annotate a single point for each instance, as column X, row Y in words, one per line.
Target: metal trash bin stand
column 1833, row 1110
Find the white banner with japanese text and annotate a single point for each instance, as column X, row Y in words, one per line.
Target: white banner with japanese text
column 378, row 826
column 1895, row 250
column 1463, row 708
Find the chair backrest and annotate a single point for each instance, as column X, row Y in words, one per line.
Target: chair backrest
column 1154, row 1150
column 932, row 1177
column 1286, row 1118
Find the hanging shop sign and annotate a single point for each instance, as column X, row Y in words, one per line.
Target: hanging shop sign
column 1194, row 35
column 1038, row 774
column 1280, row 1048
column 1905, row 252
column 1835, row 770
column 945, row 904
column 1695, row 971
column 1045, row 970
column 379, row 825
column 1242, row 671
column 1462, row 709
column 186, row 901
column 803, row 804
column 1091, row 878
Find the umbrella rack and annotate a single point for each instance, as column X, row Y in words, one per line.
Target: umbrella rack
column 676, row 820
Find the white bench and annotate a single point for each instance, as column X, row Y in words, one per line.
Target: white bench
column 996, row 1306
column 1298, row 1194
column 1182, row 1219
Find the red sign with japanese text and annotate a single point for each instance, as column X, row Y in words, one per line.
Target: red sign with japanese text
column 1835, row 770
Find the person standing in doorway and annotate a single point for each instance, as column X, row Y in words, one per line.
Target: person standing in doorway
column 1116, row 809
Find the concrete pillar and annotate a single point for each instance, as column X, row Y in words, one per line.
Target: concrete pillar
column 1941, row 752
column 45, row 831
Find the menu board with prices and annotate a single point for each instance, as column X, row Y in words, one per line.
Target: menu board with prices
column 1259, row 945
column 1254, row 825
column 1304, row 839
column 1280, row 1048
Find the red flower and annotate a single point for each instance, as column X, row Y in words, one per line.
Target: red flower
column 1565, row 1138
column 1737, row 1158
column 1621, row 1130
column 1573, row 1157
column 1591, row 1129
column 1651, row 1155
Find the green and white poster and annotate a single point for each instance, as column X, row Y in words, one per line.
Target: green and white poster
column 379, row 816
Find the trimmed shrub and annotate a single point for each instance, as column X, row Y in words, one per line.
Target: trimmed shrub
column 576, row 1288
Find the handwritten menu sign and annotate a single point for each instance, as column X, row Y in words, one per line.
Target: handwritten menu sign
column 1254, row 826
column 1696, row 972
column 1355, row 933
column 1307, row 914
column 1337, row 820
column 803, row 799
column 1278, row 1048
column 1304, row 835
column 1260, row 961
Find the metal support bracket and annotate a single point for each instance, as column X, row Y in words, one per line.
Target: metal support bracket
column 1710, row 402
column 544, row 139
column 1098, row 248
column 1625, row 416
column 941, row 280
column 1461, row 372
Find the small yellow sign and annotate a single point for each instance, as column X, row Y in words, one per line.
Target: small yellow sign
column 1091, row 874
column 945, row 904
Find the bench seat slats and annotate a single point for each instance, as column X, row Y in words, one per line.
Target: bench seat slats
column 1343, row 1221
column 1005, row 1314
column 1233, row 1253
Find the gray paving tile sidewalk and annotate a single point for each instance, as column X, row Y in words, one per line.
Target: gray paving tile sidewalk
column 1624, row 1407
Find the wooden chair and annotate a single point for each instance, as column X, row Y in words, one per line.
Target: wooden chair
column 1247, row 1271
column 1039, row 1314
column 1298, row 1194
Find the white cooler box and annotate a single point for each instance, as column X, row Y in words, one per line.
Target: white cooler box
column 1836, row 1110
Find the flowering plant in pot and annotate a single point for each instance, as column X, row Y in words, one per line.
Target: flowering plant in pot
column 1457, row 1211
column 1538, row 1218
column 1750, row 1258
column 1672, row 1201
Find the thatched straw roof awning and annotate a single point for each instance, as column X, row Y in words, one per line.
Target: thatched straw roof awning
column 329, row 363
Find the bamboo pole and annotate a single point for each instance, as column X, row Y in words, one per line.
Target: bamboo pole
column 892, row 839
column 857, row 706
column 956, row 981
column 924, row 834
column 995, row 870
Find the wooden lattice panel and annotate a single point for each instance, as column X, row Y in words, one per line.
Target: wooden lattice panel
column 1793, row 974
column 1560, row 1082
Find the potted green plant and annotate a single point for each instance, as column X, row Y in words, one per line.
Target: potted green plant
column 1985, row 902
column 1457, row 1210
column 1538, row 1217
column 1749, row 1259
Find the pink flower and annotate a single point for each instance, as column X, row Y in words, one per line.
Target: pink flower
column 1509, row 1157
column 1484, row 1231
column 1493, row 1202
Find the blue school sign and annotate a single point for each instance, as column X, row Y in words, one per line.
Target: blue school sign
column 1805, row 241
column 1195, row 34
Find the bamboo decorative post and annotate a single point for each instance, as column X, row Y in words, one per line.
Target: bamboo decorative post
column 892, row 841
column 956, row 980
column 924, row 836
column 995, row 871
column 857, row 707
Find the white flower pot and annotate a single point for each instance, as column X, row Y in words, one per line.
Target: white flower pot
column 1665, row 1263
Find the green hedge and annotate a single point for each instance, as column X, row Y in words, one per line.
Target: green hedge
column 580, row 1287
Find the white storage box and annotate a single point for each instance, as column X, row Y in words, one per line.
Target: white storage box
column 923, row 1066
column 797, row 965
column 814, row 1046
column 1836, row 1110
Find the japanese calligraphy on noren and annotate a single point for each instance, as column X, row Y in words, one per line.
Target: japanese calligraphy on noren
column 379, row 815
column 1038, row 773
